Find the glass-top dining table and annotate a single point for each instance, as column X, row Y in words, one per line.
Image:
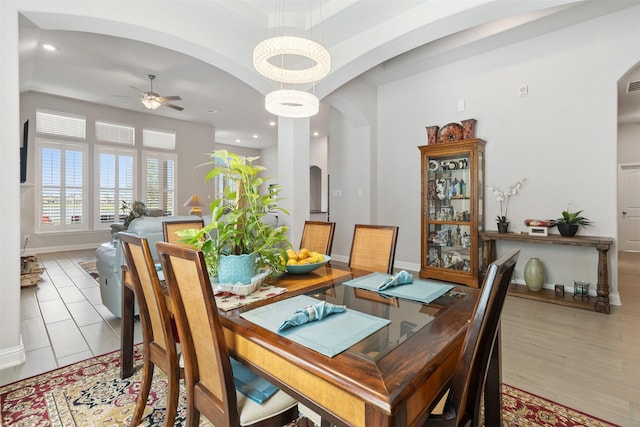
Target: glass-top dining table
column 392, row 377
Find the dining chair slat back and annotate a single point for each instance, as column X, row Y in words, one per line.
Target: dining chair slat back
column 170, row 230
column 209, row 381
column 464, row 401
column 159, row 348
column 373, row 248
column 318, row 236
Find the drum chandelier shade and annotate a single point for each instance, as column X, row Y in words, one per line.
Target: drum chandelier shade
column 290, row 45
column 292, row 103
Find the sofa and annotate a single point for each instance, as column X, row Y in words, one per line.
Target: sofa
column 109, row 257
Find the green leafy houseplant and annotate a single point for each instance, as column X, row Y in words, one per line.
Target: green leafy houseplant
column 237, row 225
column 133, row 211
column 569, row 222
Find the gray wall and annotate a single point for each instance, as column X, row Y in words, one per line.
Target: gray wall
column 193, row 142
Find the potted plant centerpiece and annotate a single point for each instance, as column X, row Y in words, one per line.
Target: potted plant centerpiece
column 569, row 223
column 237, row 233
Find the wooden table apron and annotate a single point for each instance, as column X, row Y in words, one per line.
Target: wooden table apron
column 398, row 389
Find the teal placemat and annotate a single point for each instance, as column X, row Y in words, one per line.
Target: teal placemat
column 423, row 291
column 251, row 384
column 329, row 336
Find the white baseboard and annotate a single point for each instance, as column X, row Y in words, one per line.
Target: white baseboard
column 12, row 356
column 48, row 249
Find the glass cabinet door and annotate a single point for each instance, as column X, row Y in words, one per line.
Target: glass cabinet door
column 449, row 212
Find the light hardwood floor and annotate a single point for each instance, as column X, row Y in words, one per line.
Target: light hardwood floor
column 585, row 360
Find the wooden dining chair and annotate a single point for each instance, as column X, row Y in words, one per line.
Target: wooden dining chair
column 318, row 236
column 158, row 343
column 373, row 248
column 170, row 230
column 463, row 398
column 209, row 379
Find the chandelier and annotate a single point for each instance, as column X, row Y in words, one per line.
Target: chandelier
column 289, row 45
column 291, row 102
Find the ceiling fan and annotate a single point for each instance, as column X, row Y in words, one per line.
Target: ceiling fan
column 152, row 100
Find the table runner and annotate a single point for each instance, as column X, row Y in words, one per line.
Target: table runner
column 423, row 291
column 329, row 336
column 226, row 301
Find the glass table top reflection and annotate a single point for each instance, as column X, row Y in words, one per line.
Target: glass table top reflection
column 407, row 317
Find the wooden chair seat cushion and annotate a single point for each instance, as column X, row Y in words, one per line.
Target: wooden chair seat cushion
column 252, row 412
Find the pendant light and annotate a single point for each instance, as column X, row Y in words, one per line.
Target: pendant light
column 284, row 102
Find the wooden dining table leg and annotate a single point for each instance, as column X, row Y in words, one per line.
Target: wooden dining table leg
column 493, row 386
column 126, row 331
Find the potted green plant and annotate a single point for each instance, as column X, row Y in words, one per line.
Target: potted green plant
column 569, row 223
column 133, row 211
column 237, row 227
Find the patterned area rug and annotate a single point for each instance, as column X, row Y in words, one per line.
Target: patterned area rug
column 91, row 393
column 90, row 268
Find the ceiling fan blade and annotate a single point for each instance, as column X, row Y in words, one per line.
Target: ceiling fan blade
column 125, row 96
column 168, row 98
column 175, row 107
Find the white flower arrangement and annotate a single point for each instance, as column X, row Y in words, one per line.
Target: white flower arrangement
column 504, row 197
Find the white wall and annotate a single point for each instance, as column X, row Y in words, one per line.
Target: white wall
column 562, row 137
column 11, row 347
column 318, row 156
column 352, row 165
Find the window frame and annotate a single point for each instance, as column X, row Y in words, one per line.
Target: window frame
column 162, row 156
column 42, row 227
column 118, row 151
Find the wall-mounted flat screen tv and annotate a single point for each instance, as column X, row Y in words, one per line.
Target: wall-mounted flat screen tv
column 23, row 152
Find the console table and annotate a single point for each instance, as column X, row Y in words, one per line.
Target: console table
column 601, row 244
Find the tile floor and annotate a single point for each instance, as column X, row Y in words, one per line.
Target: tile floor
column 62, row 319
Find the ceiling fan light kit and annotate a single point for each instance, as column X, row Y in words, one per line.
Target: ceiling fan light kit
column 292, row 103
column 150, row 102
column 153, row 101
column 289, row 45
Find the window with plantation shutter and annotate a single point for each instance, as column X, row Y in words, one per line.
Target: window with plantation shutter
column 115, row 173
column 61, row 178
column 115, row 133
column 159, row 186
column 62, row 204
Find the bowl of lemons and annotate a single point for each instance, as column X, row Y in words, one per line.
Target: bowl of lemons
column 305, row 261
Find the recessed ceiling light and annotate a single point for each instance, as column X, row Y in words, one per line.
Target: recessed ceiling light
column 49, row 47
column 316, row 133
column 272, row 123
column 237, row 140
column 212, row 111
column 255, row 136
